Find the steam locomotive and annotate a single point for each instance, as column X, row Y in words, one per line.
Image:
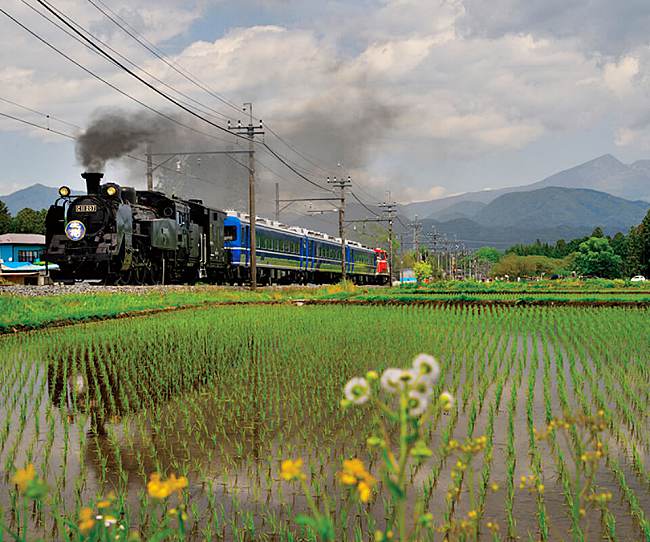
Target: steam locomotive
column 123, row 236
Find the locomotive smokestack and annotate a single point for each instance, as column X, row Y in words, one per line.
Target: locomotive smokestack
column 92, row 181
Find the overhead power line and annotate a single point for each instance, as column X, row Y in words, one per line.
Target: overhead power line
column 126, row 69
column 363, row 204
column 286, row 164
column 46, row 115
column 139, row 38
column 70, row 23
column 121, row 23
column 34, row 125
column 108, row 83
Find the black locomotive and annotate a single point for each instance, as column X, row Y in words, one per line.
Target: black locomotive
column 121, row 235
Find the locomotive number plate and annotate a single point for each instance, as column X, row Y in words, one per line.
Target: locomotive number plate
column 85, row 208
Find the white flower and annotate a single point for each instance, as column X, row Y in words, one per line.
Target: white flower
column 422, row 386
column 427, row 367
column 417, row 404
column 447, row 400
column 357, row 390
column 390, row 380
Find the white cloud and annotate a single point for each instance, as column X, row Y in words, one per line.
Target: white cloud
column 619, row 76
column 447, row 73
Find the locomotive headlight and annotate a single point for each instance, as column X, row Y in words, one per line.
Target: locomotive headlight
column 64, row 191
column 111, row 191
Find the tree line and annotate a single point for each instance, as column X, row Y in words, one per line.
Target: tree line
column 598, row 255
column 595, row 255
column 26, row 220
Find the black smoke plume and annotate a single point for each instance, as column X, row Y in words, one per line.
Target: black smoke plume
column 114, row 134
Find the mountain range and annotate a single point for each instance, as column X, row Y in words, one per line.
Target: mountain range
column 602, row 192
column 605, row 173
column 36, row 196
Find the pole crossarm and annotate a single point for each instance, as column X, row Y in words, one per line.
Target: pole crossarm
column 193, row 153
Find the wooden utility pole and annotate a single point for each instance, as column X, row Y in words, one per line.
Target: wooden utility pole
column 277, row 202
column 251, row 131
column 341, row 184
column 149, row 169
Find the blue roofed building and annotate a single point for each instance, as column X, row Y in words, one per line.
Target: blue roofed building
column 21, row 247
column 20, row 258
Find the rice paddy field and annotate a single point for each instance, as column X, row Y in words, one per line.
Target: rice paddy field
column 222, row 395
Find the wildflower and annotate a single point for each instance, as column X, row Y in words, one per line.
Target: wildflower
column 417, row 404
column 354, row 473
column 157, row 488
column 494, row 487
column 103, row 504
column 177, row 484
column 357, row 390
column 109, row 521
column 427, row 367
column 86, row 521
column 365, row 491
column 446, row 400
column 390, row 380
column 472, row 514
column 372, row 375
column 292, row 470
column 24, row 477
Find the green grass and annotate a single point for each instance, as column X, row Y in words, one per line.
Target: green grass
column 19, row 312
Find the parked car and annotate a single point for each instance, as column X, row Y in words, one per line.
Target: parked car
column 638, row 278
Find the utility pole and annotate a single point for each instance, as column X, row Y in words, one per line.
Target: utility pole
column 149, row 168
column 277, row 202
column 341, row 184
column 417, row 227
column 251, row 131
column 389, row 210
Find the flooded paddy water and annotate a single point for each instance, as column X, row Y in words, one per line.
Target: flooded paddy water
column 223, row 395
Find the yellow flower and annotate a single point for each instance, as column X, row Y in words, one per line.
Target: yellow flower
column 23, row 477
column 472, row 514
column 157, row 488
column 365, row 491
column 292, row 470
column 103, row 504
column 354, row 467
column 86, row 520
column 177, row 484
column 354, row 473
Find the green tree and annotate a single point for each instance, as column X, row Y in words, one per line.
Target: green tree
column 29, row 221
column 644, row 245
column 598, row 232
column 488, row 254
column 423, row 271
column 595, row 258
column 5, row 218
column 632, row 262
column 515, row 266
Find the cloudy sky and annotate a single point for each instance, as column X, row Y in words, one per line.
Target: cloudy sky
column 424, row 98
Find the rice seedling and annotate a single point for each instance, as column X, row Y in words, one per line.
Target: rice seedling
column 223, row 395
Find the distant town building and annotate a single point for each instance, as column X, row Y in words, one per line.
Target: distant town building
column 20, row 258
column 21, row 247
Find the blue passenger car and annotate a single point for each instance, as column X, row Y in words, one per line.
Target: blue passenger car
column 293, row 255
